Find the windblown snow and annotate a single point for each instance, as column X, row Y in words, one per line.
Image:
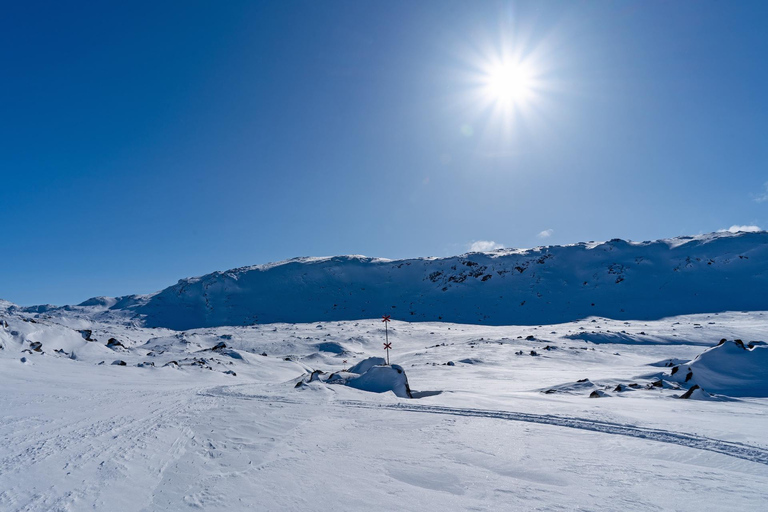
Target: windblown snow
column 265, row 388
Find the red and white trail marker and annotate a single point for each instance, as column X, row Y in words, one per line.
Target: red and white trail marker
column 387, row 345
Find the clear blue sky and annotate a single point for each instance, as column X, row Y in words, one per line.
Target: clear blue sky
column 151, row 141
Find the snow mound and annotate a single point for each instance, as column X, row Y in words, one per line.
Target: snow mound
column 667, row 363
column 572, row 388
column 380, row 379
column 730, row 369
column 372, row 374
column 331, row 347
column 364, row 365
column 696, row 393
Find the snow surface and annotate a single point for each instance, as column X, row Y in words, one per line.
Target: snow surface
column 212, row 419
column 731, row 368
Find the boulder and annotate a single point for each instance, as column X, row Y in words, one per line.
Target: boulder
column 114, row 344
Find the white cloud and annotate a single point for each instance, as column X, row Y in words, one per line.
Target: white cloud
column 763, row 197
column 484, row 246
column 546, row 233
column 740, row 229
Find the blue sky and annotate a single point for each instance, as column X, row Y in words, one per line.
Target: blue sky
column 152, row 141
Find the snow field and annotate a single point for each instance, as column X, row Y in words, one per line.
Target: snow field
column 484, row 435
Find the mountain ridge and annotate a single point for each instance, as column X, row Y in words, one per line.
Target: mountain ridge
column 547, row 284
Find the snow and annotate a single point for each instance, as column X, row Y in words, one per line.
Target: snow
column 213, row 411
column 371, row 374
column 616, row 279
column 366, row 364
column 482, row 434
column 730, row 369
column 382, row 378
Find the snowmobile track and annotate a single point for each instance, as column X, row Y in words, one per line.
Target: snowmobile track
column 732, row 449
column 738, row 450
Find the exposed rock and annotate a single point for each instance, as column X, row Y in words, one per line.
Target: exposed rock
column 113, row 344
column 86, row 334
column 688, row 393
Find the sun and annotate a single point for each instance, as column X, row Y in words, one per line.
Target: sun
column 509, row 83
column 506, row 87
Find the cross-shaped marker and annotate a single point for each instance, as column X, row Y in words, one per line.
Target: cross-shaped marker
column 387, row 344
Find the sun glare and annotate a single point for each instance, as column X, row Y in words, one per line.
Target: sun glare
column 507, row 86
column 509, row 83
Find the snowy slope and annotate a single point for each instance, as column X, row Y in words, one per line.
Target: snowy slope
column 616, row 279
column 501, row 419
column 731, row 368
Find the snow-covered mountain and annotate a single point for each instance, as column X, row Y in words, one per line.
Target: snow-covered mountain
column 103, row 412
column 616, row 279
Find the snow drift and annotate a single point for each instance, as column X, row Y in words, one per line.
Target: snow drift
column 731, row 369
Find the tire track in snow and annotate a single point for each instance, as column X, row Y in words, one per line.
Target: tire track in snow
column 733, row 449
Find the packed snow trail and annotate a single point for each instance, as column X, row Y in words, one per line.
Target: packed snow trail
column 738, row 450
